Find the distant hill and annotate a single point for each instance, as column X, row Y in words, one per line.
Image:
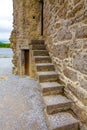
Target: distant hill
column 1, row 42
column 5, row 45
column 4, row 42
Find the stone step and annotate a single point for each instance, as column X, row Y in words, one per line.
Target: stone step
column 47, row 76
column 51, row 88
column 40, row 53
column 38, row 47
column 42, row 59
column 56, row 103
column 62, row 121
column 45, row 67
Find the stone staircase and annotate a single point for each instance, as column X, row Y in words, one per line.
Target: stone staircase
column 57, row 106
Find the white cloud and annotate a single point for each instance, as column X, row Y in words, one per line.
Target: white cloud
column 6, row 23
column 4, row 36
column 6, row 10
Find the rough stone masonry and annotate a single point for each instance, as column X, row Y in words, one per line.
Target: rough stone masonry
column 65, row 35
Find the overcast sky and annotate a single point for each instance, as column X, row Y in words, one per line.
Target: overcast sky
column 6, row 18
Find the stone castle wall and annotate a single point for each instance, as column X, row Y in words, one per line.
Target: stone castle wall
column 26, row 25
column 65, row 34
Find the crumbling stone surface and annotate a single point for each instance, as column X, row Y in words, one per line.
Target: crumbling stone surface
column 65, row 34
column 26, row 28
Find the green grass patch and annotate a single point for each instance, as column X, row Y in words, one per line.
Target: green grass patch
column 5, row 45
column 4, row 57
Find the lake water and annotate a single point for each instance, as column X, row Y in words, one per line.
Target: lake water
column 6, row 52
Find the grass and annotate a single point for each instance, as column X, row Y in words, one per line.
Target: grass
column 5, row 45
column 4, row 57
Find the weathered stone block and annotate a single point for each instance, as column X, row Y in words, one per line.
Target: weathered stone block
column 76, row 8
column 79, row 92
column 82, row 114
column 79, row 109
column 63, row 11
column 61, row 2
column 61, row 51
column 83, row 82
column 64, row 34
column 85, row 44
column 70, row 73
column 57, row 25
column 80, row 62
column 76, row 1
column 81, row 32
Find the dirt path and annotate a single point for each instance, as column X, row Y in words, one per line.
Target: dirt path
column 20, row 101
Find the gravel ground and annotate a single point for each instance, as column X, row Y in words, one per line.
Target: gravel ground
column 21, row 107
column 5, row 66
